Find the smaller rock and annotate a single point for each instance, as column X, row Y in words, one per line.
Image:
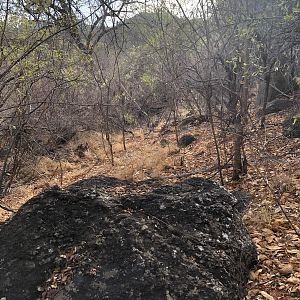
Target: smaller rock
column 186, row 140
column 193, row 120
column 164, row 142
column 278, row 105
column 188, row 120
column 291, row 127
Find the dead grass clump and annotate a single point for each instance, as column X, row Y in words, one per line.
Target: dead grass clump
column 97, row 145
column 147, row 163
column 282, row 183
column 94, row 142
column 50, row 167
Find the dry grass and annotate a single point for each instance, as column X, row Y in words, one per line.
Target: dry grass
column 50, row 167
column 149, row 160
column 143, row 159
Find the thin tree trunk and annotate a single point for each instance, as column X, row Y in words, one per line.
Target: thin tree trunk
column 124, row 138
column 175, row 125
column 267, row 79
column 215, row 140
column 123, row 127
column 237, row 146
column 239, row 162
column 237, row 121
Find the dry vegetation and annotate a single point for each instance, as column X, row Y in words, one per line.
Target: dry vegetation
column 62, row 101
column 273, row 181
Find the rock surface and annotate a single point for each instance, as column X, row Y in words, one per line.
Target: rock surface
column 186, row 140
column 278, row 105
column 193, row 120
column 103, row 238
column 291, row 127
column 280, row 84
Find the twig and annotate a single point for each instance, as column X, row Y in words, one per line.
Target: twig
column 277, row 201
column 7, row 209
column 277, row 196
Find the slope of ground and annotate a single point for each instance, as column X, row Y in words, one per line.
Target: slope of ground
column 273, row 181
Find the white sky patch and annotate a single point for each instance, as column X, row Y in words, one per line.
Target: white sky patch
column 187, row 8
column 177, row 6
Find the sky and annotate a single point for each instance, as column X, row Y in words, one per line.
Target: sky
column 189, row 6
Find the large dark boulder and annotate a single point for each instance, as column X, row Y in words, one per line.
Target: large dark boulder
column 280, row 84
column 104, row 238
column 291, row 127
column 186, row 140
column 279, row 105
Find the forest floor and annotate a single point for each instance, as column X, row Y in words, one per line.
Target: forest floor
column 273, row 180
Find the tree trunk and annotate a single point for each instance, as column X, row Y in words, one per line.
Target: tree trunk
column 237, row 121
column 237, row 146
column 208, row 99
column 175, row 125
column 267, row 79
column 239, row 162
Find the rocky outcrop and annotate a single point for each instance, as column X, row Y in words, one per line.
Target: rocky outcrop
column 291, row 127
column 192, row 120
column 280, row 84
column 279, row 105
column 104, row 238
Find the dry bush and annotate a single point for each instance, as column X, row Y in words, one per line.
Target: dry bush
column 49, row 167
column 98, row 148
column 43, row 167
column 262, row 214
column 94, row 142
column 282, row 183
column 150, row 161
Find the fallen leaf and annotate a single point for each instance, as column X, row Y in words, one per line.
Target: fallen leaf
column 297, row 274
column 286, row 269
column 294, row 251
column 254, row 275
column 274, row 248
column 270, row 238
column 268, row 262
column 266, row 295
column 262, row 257
column 293, row 280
